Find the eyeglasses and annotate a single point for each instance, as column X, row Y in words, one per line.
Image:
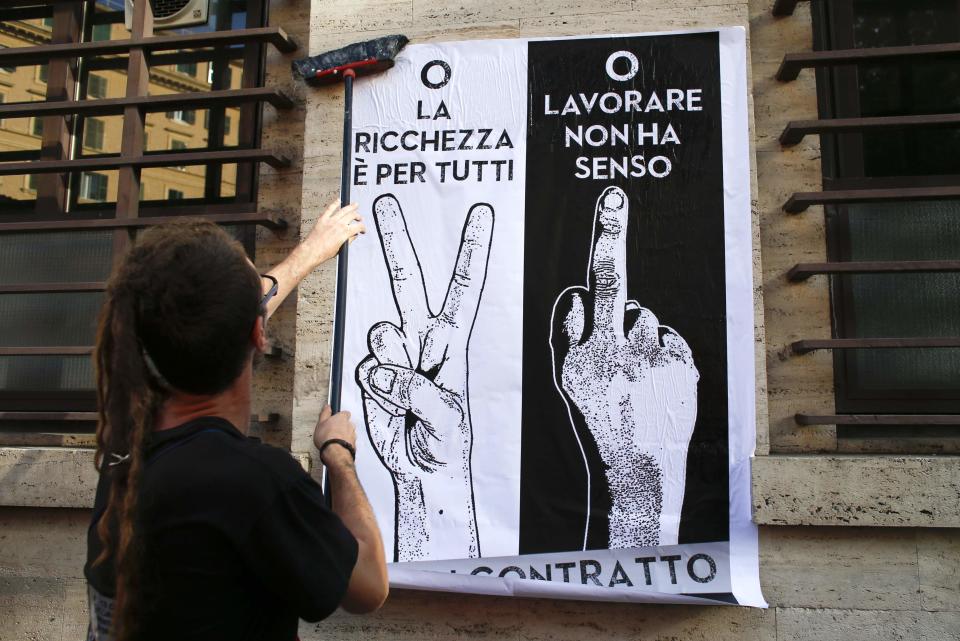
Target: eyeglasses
column 270, row 293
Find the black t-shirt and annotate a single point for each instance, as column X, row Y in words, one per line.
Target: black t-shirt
column 236, row 541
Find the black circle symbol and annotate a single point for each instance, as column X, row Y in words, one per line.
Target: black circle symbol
column 426, row 70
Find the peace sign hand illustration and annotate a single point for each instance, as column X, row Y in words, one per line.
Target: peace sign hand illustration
column 415, row 394
column 630, row 385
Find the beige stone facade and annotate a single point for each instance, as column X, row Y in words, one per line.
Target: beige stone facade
column 853, row 545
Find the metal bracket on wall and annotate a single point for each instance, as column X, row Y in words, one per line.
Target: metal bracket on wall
column 810, row 345
column 794, row 62
column 803, row 271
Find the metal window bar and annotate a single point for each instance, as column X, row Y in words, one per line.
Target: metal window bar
column 149, row 104
column 264, row 219
column 800, row 201
column 810, row 345
column 144, row 42
column 803, row 271
column 137, row 161
column 51, row 288
column 795, row 131
column 877, row 419
column 272, row 351
column 793, row 63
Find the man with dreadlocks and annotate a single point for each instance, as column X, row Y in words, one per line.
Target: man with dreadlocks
column 200, row 532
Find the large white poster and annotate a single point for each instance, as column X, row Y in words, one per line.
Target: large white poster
column 550, row 322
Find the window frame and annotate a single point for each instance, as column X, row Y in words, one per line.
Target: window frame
column 191, row 68
column 93, row 127
column 843, row 168
column 179, row 116
column 98, row 81
column 88, row 177
column 65, row 204
column 7, row 70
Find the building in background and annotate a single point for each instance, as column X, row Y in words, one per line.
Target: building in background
column 176, row 130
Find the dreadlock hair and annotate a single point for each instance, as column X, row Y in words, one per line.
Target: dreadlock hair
column 178, row 313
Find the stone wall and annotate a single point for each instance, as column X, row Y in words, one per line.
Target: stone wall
column 823, row 583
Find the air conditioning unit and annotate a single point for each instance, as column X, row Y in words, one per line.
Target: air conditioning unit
column 170, row 14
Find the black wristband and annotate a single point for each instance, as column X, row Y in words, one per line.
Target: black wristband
column 337, row 441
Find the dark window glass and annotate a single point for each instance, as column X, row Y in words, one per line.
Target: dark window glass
column 178, row 145
column 927, row 87
column 96, row 86
column 93, row 133
column 55, row 257
column 7, row 69
column 908, row 305
column 100, row 32
column 227, row 76
column 44, row 320
column 32, row 377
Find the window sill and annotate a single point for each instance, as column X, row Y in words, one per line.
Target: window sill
column 55, row 476
column 47, row 477
column 876, row 491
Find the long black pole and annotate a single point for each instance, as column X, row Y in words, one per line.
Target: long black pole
column 340, row 311
column 340, row 306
